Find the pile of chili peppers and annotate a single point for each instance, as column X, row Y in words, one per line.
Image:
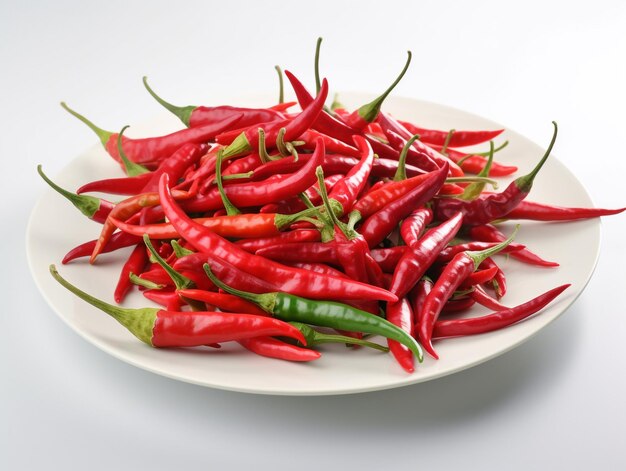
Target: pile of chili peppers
column 283, row 229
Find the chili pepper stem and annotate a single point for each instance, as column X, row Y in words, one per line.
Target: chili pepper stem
column 136, row 280
column 179, row 250
column 318, row 82
column 479, row 257
column 285, row 220
column 182, row 112
column 231, row 210
column 138, row 321
column 319, row 172
column 265, row 301
column 131, row 168
column 103, row 135
column 281, row 85
column 315, row 337
column 88, row 205
column 240, row 145
column 370, row 111
column 446, row 143
column 181, row 281
column 525, row 183
column 401, row 171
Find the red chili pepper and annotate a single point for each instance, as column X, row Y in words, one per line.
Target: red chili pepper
column 457, row 305
column 480, row 277
column 274, row 348
column 307, row 252
column 449, row 252
column 223, row 301
column 249, row 140
column 240, row 226
column 150, row 151
column 195, row 116
column 159, row 328
column 475, row 163
column 377, row 226
column 546, row 212
column 496, row 320
column 458, row 138
column 401, row 315
column 95, row 209
column 295, row 204
column 418, row 296
column 135, row 264
column 459, row 268
column 169, row 299
column 492, row 206
column 117, row 241
column 368, row 113
column 117, row 186
column 333, row 146
column 418, row 159
column 499, row 280
column 388, row 258
column 286, row 238
column 276, row 188
column 421, row 255
column 412, row 227
column 481, row 297
column 489, row 233
column 299, row 282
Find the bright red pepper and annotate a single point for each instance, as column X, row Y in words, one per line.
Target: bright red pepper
column 458, row 138
column 401, row 315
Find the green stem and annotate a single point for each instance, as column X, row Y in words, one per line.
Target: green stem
column 285, row 220
column 475, row 189
column 263, row 155
column 525, row 183
column 131, row 168
column 265, row 301
column 181, row 281
column 331, row 213
column 401, row 170
column 138, row 321
column 231, row 210
column 280, row 142
column 179, row 250
column 88, row 205
column 475, row 179
column 182, row 112
column 318, row 82
column 336, row 103
column 446, row 143
column 103, row 135
column 281, row 85
column 136, row 280
column 497, row 149
column 369, row 112
column 315, row 337
column 479, row 257
column 306, row 200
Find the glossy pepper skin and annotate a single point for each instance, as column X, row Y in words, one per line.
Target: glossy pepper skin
column 159, row 328
column 151, row 151
column 496, row 320
column 377, row 226
column 292, row 280
column 547, row 212
column 401, row 315
column 487, row 208
column 458, row 139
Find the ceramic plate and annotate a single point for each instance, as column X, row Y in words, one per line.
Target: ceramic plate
column 56, row 226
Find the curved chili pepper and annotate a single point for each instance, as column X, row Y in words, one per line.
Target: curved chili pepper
column 223, row 301
column 135, row 264
column 412, row 227
column 150, row 151
column 169, row 299
column 175, row 165
column 117, row 186
column 117, row 241
column 313, row 337
column 418, row 296
column 496, row 320
column 388, row 258
column 295, row 204
column 489, row 233
column 377, row 226
column 346, row 191
column 486, row 208
column 240, row 226
column 418, row 159
column 449, row 252
column 159, row 328
column 333, row 146
column 95, row 209
column 480, row 277
column 368, row 113
column 195, row 116
column 479, row 295
column 547, row 212
column 499, row 280
column 457, row 305
column 308, row 252
column 274, row 348
column 475, row 163
column 300, row 282
column 459, row 268
column 421, row 255
column 322, row 313
column 248, row 140
column 286, row 238
column 401, row 315
column 458, row 138
column 276, row 188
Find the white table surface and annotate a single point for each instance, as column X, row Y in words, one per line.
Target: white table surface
column 556, row 402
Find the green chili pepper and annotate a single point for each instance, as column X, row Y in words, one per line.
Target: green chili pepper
column 331, row 314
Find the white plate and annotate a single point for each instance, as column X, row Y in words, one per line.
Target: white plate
column 55, row 227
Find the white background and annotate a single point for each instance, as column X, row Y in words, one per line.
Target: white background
column 557, row 402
